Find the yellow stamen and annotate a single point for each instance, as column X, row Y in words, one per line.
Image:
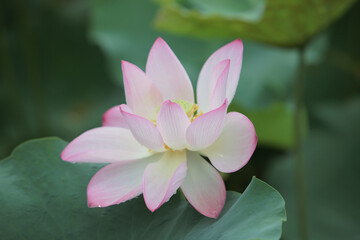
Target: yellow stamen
column 198, row 114
column 191, row 110
column 153, row 121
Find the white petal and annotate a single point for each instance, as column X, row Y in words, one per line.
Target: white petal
column 205, row 129
column 203, row 186
column 172, row 123
column 236, row 144
column 218, row 92
column 104, row 145
column 162, row 179
column 113, row 118
column 168, row 74
column 142, row 96
column 232, row 51
column 117, row 182
column 143, row 130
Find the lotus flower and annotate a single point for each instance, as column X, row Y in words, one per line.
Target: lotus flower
column 157, row 142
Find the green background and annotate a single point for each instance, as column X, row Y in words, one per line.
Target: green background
column 60, row 70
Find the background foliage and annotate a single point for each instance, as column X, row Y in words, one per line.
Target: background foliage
column 60, row 71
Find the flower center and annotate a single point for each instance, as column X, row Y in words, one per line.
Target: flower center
column 191, row 110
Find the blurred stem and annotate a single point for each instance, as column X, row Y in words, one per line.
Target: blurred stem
column 12, row 95
column 28, row 38
column 300, row 172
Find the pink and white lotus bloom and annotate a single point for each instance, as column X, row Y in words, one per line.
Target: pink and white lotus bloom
column 156, row 142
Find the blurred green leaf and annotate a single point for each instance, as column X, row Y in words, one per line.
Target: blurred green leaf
column 331, row 174
column 273, row 124
column 266, row 75
column 285, row 23
column 248, row 10
column 46, row 199
column 316, row 50
column 337, row 75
